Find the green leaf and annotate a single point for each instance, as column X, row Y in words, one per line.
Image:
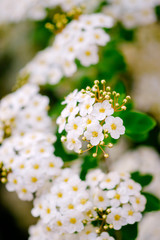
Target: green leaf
column 138, row 137
column 142, row 179
column 153, row 203
column 137, row 123
column 89, row 162
column 129, row 232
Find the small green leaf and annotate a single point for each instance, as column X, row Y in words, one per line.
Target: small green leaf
column 142, row 179
column 153, row 203
column 137, row 123
column 129, row 232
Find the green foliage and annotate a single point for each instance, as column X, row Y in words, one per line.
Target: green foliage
column 88, row 163
column 129, row 232
column 138, row 125
column 142, row 179
column 153, row 203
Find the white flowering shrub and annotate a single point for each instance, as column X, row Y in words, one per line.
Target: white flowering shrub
column 94, row 196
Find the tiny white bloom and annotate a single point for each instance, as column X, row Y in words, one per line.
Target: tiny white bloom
column 115, row 127
column 75, row 126
column 73, row 143
column 101, row 110
column 116, row 217
column 94, row 134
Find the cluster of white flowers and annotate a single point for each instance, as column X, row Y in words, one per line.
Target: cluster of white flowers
column 71, row 205
column 27, row 141
column 87, row 117
column 120, row 194
column 23, row 111
column 40, row 231
column 13, row 11
column 143, row 159
column 132, row 13
column 32, row 162
column 79, row 40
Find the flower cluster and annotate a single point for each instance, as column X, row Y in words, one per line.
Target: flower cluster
column 87, row 209
column 132, row 13
column 79, row 40
column 10, row 11
column 32, row 162
column 63, row 209
column 117, row 199
column 88, row 117
column 23, row 111
column 40, row 231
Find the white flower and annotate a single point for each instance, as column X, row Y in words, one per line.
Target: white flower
column 100, row 199
column 61, row 121
column 110, row 180
column 88, row 56
column 94, row 177
column 131, row 186
column 70, row 97
column 138, row 202
column 94, row 134
column 100, row 37
column 115, row 127
column 116, row 217
column 89, row 119
column 75, row 126
column 73, row 143
column 131, row 215
column 70, row 110
column 117, row 197
column 74, row 222
column 101, row 110
column 87, row 106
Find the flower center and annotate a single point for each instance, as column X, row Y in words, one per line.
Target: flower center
column 73, row 141
column 34, row 179
column 75, row 126
column 89, row 121
column 59, row 223
column 117, row 217
column 101, row 110
column 101, row 199
column 60, row 195
column 70, row 206
column 73, row 220
column 51, row 165
column 137, row 200
column 113, row 126
column 88, row 53
column 87, row 106
column 130, row 212
column 83, row 201
column 117, row 196
column 36, row 166
column 95, row 134
column 71, row 109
